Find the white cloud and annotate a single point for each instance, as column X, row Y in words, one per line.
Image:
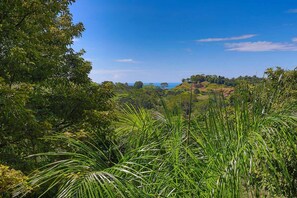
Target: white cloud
column 125, row 60
column 292, row 11
column 294, row 39
column 260, row 46
column 246, row 36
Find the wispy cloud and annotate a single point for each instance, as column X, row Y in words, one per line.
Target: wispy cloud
column 294, row 39
column 292, row 11
column 260, row 46
column 125, row 60
column 235, row 38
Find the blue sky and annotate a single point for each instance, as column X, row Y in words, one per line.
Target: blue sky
column 167, row 40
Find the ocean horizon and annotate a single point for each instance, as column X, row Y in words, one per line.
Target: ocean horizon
column 158, row 84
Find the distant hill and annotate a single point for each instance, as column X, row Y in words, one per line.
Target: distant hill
column 221, row 80
column 205, row 87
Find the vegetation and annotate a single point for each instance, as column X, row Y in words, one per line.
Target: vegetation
column 9, row 178
column 199, row 78
column 138, row 84
column 62, row 135
column 44, row 83
column 243, row 147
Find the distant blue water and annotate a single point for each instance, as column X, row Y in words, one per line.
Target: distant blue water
column 170, row 85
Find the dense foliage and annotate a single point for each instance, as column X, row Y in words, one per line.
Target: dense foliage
column 244, row 146
column 222, row 80
column 9, row 178
column 44, row 83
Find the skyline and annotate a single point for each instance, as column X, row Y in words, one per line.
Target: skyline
column 165, row 41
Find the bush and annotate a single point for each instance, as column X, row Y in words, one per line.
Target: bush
column 8, row 178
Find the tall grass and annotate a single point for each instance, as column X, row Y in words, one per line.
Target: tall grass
column 244, row 147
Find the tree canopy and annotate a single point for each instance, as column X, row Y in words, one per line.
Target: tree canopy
column 44, row 83
column 138, row 84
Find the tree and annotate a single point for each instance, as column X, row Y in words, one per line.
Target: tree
column 138, row 84
column 44, row 83
column 35, row 40
column 196, row 91
column 198, row 78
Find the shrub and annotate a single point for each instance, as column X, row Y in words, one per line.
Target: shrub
column 8, row 178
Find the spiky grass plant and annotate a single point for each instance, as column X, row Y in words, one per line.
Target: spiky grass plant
column 242, row 149
column 90, row 171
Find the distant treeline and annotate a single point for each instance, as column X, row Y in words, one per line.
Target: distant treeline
column 222, row 80
column 199, row 78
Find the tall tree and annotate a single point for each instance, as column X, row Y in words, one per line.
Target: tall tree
column 35, row 39
column 44, row 83
column 138, row 84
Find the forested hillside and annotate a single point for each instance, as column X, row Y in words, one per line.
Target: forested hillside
column 63, row 135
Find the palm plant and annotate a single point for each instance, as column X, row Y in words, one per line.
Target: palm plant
column 89, row 170
column 241, row 150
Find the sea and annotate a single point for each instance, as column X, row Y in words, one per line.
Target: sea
column 157, row 84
